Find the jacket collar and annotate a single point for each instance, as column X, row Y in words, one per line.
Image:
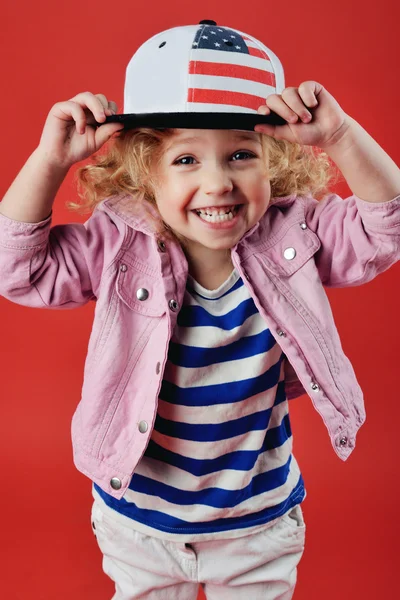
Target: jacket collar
column 135, row 213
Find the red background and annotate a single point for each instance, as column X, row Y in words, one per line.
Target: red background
column 50, row 52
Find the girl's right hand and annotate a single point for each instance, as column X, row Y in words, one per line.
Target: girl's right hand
column 69, row 135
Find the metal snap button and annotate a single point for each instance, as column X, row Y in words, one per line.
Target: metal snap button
column 174, row 306
column 123, row 268
column 303, row 225
column 281, row 333
column 142, row 294
column 289, row 253
column 116, row 483
column 161, row 246
column 143, row 427
column 315, row 387
column 343, row 441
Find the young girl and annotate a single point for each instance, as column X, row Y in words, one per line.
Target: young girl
column 206, row 254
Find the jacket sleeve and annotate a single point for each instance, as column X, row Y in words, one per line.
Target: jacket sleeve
column 359, row 239
column 55, row 267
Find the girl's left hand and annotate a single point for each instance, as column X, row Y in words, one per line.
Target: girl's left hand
column 313, row 115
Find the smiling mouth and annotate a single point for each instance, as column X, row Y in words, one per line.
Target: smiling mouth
column 217, row 215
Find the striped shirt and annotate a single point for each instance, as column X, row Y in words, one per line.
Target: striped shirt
column 219, row 463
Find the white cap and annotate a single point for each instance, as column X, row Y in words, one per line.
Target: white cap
column 200, row 76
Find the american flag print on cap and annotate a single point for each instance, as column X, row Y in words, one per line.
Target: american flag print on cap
column 228, row 72
column 201, row 76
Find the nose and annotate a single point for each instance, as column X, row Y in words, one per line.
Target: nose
column 217, row 181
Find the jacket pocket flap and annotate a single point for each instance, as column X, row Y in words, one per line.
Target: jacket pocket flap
column 291, row 251
column 140, row 291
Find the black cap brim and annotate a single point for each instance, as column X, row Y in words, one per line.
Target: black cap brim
column 242, row 121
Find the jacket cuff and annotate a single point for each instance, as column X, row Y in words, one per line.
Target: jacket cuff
column 380, row 216
column 18, row 234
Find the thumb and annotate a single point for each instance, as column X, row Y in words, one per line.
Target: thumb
column 104, row 132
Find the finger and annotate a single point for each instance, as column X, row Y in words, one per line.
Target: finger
column 108, row 106
column 103, row 100
column 93, row 104
column 265, row 128
column 112, row 109
column 292, row 98
column 277, row 104
column 104, row 133
column 68, row 111
column 263, row 110
column 308, row 91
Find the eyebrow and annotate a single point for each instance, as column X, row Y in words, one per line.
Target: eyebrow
column 189, row 140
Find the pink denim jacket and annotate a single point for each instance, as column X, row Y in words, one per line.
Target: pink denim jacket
column 138, row 281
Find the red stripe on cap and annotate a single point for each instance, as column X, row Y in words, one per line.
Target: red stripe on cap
column 224, row 98
column 227, row 70
column 257, row 52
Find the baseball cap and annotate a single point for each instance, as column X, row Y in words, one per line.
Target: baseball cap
column 201, row 76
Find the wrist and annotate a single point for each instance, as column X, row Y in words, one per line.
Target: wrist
column 47, row 164
column 342, row 139
column 30, row 197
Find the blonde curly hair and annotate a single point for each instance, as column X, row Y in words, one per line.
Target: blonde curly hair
column 125, row 166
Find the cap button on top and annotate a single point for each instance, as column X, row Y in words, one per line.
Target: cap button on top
column 207, row 22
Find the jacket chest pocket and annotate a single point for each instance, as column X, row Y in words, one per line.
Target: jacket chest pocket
column 141, row 291
column 136, row 299
column 291, row 250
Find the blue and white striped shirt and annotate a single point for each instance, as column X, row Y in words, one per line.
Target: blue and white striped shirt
column 219, row 463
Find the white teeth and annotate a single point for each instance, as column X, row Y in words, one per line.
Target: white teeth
column 217, row 215
column 216, row 218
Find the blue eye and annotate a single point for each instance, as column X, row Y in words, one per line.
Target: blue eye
column 185, row 160
column 242, row 153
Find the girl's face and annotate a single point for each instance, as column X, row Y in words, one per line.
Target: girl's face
column 212, row 186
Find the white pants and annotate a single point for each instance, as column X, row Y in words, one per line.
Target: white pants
column 260, row 566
